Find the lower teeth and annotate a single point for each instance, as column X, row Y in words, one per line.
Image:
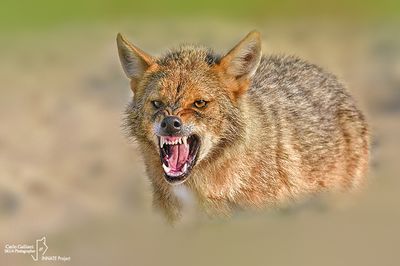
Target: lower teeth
column 168, row 169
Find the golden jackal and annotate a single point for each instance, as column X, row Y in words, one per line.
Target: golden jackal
column 241, row 130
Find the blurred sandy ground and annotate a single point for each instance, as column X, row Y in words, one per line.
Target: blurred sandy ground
column 68, row 173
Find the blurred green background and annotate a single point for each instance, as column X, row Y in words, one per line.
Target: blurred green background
column 68, row 173
column 45, row 13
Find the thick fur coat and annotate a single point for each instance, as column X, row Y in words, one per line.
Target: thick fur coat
column 261, row 130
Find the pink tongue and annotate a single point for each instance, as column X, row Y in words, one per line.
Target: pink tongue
column 178, row 156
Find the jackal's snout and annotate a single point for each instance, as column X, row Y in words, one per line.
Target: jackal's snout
column 178, row 148
column 170, row 126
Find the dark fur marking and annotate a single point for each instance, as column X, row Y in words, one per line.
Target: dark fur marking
column 212, row 59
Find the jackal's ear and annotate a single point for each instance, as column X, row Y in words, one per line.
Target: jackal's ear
column 134, row 61
column 243, row 60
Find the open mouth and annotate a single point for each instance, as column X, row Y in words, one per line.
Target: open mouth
column 178, row 156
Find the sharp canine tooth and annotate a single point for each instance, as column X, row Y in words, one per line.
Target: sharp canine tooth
column 161, row 142
column 185, row 141
column 166, row 168
column 184, row 168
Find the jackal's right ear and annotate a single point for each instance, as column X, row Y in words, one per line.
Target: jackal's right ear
column 242, row 60
column 134, row 61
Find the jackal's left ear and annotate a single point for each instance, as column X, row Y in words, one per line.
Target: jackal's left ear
column 134, row 61
column 243, row 60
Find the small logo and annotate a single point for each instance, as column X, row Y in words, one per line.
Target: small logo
column 41, row 248
column 36, row 251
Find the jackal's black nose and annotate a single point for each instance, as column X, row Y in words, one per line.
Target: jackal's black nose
column 171, row 125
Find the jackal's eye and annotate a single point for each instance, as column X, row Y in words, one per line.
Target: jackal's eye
column 200, row 103
column 157, row 104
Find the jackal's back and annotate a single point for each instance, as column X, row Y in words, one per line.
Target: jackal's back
column 313, row 119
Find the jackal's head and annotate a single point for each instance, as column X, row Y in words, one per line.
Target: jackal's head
column 186, row 104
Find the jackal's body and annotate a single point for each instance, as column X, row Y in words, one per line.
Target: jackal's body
column 282, row 129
